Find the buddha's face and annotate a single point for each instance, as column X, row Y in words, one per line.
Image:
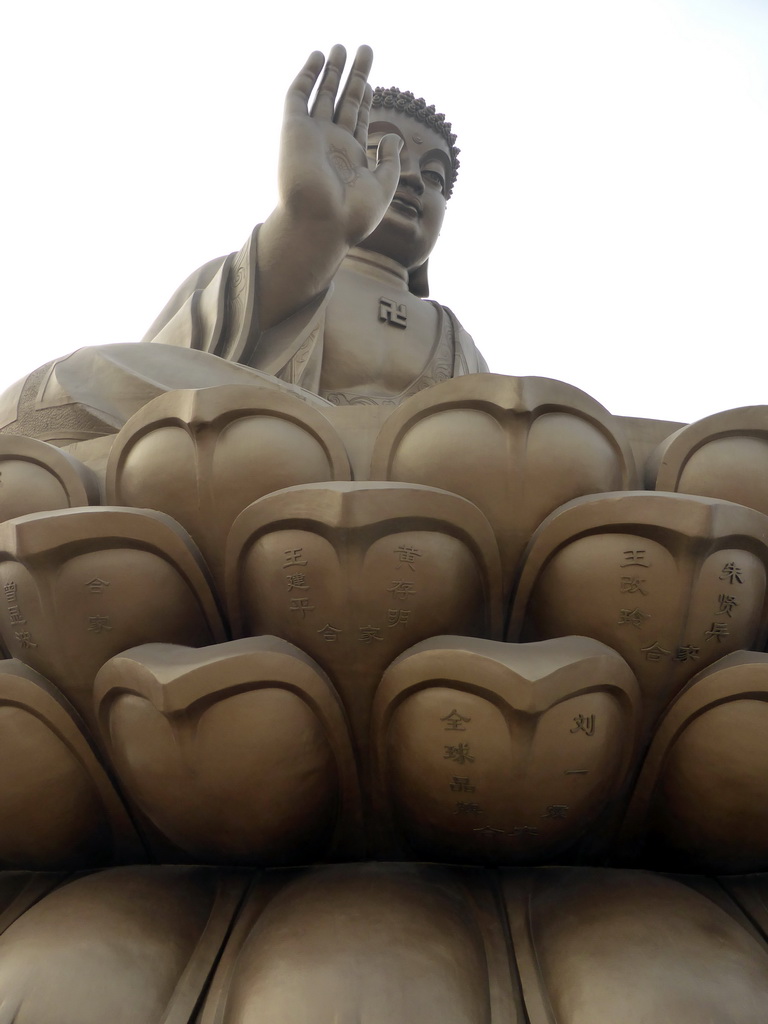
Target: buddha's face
column 411, row 225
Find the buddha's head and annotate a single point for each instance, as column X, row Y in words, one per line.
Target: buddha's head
column 428, row 167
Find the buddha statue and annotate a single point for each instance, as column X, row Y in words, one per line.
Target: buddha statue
column 328, row 294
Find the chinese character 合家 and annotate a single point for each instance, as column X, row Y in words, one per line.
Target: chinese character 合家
column 459, row 753
column 453, row 721
column 687, row 652
column 369, row 633
column 655, row 652
column 98, row 624
column 328, row 632
column 96, row 585
column 585, row 724
column 633, row 617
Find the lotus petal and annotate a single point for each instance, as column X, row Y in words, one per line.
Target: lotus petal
column 236, row 753
column 38, row 477
column 503, row 753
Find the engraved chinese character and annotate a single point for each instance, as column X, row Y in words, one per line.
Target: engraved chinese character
column 10, row 591
column 328, row 632
column 453, row 721
column 407, row 555
column 369, row 633
column 467, row 808
column 15, row 616
column 460, row 753
column 716, row 632
column 556, row 811
column 731, row 573
column 25, row 639
column 524, row 830
column 633, row 617
column 585, row 724
column 301, row 605
column 98, row 624
column 293, row 557
column 96, row 585
column 461, row 785
column 687, row 652
column 402, row 589
column 393, row 313
column 727, row 603
column 397, row 617
column 298, row 581
column 632, row 585
column 655, row 652
column 489, row 832
column 635, row 557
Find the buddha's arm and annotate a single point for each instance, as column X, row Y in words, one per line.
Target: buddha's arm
column 330, row 200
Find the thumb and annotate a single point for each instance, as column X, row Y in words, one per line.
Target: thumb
column 388, row 162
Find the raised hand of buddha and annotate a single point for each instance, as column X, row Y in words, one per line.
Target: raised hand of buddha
column 330, row 199
column 324, row 173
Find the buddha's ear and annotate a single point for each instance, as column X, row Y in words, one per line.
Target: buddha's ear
column 418, row 282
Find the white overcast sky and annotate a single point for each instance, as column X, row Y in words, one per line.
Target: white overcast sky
column 610, row 223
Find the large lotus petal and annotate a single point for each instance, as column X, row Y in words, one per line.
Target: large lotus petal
column 503, row 753
column 354, row 574
column 721, row 456
column 236, row 753
column 58, row 808
column 132, row 945
column 601, row 946
column 518, row 447
column 701, row 797
column 671, row 582
column 38, row 477
column 81, row 585
column 203, row 456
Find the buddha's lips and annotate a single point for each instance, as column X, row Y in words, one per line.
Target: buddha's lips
column 408, row 203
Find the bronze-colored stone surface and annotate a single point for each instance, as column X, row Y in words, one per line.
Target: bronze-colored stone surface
column 36, row 477
column 669, row 581
column 235, row 753
column 699, row 802
column 203, row 456
column 502, row 753
column 518, row 447
column 721, row 456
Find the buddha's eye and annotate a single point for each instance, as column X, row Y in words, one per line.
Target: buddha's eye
column 434, row 178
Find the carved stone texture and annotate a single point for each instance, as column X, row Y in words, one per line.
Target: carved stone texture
column 721, row 456
column 236, row 753
column 58, row 808
column 79, row 586
column 518, row 447
column 203, row 456
column 503, row 753
column 37, row 477
column 596, row 946
column 701, row 797
column 134, row 945
column 373, row 943
column 671, row 582
column 354, row 574
column 19, row 890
